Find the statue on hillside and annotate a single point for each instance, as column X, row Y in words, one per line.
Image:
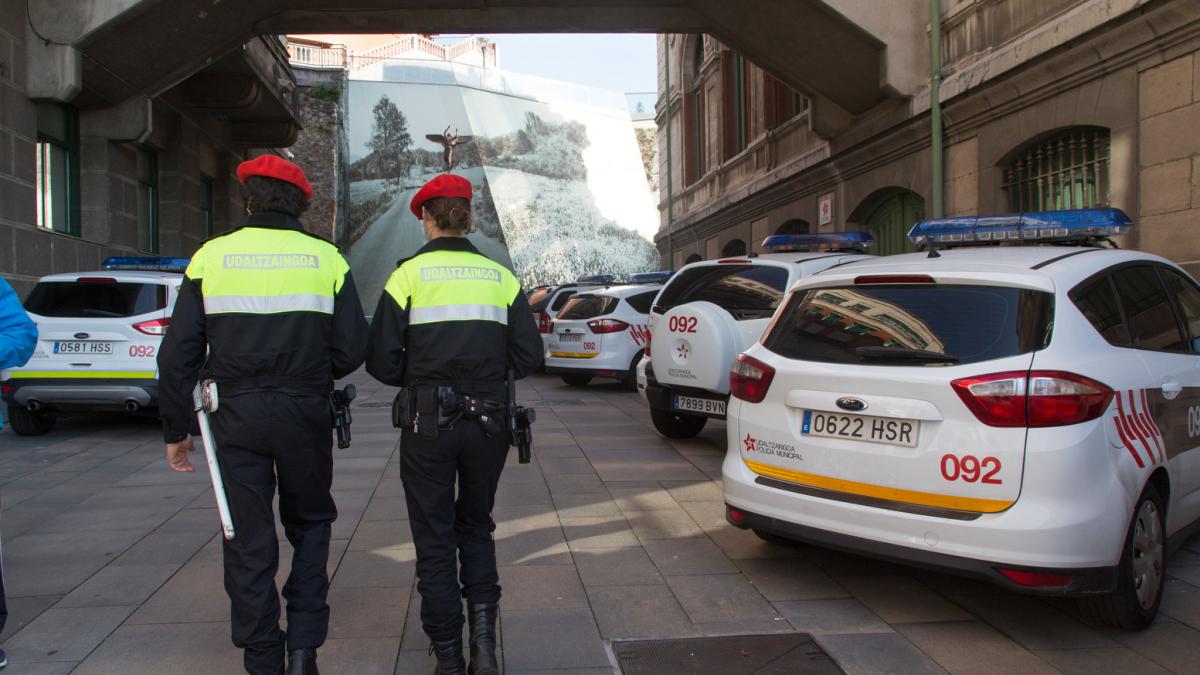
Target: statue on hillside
column 448, row 141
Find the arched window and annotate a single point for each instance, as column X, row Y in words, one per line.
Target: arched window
column 695, row 257
column 1066, row 170
column 888, row 214
column 734, row 248
column 693, row 110
column 793, row 226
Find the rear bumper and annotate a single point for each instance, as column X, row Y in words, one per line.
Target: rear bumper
column 661, row 397
column 604, row 364
column 1084, row 581
column 82, row 393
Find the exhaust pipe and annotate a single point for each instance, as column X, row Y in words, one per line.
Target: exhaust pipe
column 132, row 406
column 34, row 405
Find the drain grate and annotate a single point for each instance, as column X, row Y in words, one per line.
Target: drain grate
column 374, row 404
column 555, row 401
column 732, row 655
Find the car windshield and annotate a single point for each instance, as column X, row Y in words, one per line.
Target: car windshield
column 745, row 291
column 538, row 298
column 927, row 325
column 587, row 307
column 101, row 298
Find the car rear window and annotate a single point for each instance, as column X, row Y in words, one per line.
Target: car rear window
column 538, row 298
column 745, row 291
column 587, row 307
column 561, row 300
column 95, row 299
column 641, row 302
column 912, row 324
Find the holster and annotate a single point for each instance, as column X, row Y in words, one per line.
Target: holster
column 404, row 409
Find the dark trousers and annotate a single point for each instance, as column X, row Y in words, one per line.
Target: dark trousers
column 264, row 438
column 444, row 527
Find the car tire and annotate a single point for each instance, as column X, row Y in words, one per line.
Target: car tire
column 631, row 376
column 1141, row 573
column 676, row 425
column 27, row 423
column 576, row 379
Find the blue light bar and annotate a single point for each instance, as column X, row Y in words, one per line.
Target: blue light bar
column 1079, row 225
column 829, row 241
column 597, row 279
column 650, row 277
column 146, row 264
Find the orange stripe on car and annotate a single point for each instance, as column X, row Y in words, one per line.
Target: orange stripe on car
column 971, row 504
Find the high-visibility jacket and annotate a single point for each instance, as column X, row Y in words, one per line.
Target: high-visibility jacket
column 275, row 308
column 451, row 316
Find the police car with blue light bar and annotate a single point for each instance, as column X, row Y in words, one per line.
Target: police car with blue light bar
column 711, row 310
column 98, row 339
column 1023, row 414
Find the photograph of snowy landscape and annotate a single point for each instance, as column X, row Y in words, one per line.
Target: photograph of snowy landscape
column 560, row 190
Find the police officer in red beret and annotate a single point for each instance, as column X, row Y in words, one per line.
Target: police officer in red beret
column 450, row 323
column 271, row 314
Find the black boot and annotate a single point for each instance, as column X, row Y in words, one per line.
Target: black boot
column 482, row 618
column 449, row 657
column 302, row 662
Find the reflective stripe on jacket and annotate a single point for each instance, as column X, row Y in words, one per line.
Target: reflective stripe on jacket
column 274, row 306
column 450, row 315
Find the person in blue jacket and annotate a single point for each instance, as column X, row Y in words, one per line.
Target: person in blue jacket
column 18, row 336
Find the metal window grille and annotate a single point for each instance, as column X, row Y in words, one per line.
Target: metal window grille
column 1069, row 170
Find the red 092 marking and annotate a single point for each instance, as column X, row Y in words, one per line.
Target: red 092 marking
column 971, row 469
column 682, row 324
column 141, row 350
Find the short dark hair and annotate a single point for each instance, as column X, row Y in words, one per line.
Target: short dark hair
column 262, row 193
column 452, row 214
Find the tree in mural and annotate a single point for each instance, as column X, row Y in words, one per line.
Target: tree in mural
column 390, row 139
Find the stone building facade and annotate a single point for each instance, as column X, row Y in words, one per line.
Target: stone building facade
column 92, row 165
column 1047, row 104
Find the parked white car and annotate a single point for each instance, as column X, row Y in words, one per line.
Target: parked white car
column 545, row 302
column 601, row 333
column 98, row 340
column 711, row 310
column 1023, row 414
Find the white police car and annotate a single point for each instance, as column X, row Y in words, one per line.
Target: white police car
column 98, row 339
column 711, row 310
column 1024, row 414
column 603, row 332
column 545, row 302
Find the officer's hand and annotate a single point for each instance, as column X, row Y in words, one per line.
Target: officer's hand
column 177, row 455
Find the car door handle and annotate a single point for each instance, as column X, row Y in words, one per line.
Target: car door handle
column 1171, row 389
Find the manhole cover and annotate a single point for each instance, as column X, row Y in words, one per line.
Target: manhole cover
column 733, row 655
column 556, row 401
column 374, row 404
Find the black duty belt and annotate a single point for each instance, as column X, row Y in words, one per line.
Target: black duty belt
column 272, row 383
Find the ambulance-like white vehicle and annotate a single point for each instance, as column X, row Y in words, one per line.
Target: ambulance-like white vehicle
column 713, row 309
column 98, row 340
column 1024, row 414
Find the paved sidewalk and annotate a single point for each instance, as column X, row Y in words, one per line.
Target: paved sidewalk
column 112, row 563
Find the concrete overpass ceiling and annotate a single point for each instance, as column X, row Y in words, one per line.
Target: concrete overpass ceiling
column 810, row 44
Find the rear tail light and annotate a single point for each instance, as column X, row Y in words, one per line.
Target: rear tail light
column 749, row 379
column 649, row 336
column 1039, row 398
column 733, row 515
column 545, row 325
column 96, row 280
column 5, row 389
column 153, row 326
column 602, row 326
column 1035, row 579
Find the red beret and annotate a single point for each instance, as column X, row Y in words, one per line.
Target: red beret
column 444, row 185
column 274, row 166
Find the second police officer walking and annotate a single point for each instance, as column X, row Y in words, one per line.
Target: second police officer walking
column 449, row 325
column 272, row 315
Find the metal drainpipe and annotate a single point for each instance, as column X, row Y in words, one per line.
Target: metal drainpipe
column 670, row 183
column 935, row 105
